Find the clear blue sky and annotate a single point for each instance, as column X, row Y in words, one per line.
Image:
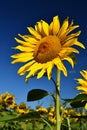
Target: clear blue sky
column 15, row 17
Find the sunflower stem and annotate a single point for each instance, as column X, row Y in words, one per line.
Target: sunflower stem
column 58, row 118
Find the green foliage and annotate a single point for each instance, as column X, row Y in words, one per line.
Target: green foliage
column 36, row 94
column 10, row 119
column 79, row 101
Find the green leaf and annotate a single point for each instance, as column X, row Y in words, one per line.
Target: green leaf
column 79, row 101
column 7, row 115
column 36, row 94
column 30, row 115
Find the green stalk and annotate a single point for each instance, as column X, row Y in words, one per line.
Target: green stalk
column 58, row 118
column 68, row 121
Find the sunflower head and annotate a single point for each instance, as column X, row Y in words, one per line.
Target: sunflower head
column 43, row 111
column 82, row 82
column 46, row 46
column 22, row 108
column 8, row 100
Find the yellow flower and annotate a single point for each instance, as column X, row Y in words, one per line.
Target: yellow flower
column 82, row 82
column 68, row 113
column 51, row 115
column 52, row 119
column 46, row 46
column 22, row 108
column 8, row 100
column 42, row 111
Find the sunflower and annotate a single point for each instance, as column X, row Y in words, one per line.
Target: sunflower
column 22, row 108
column 43, row 111
column 82, row 82
column 46, row 46
column 7, row 100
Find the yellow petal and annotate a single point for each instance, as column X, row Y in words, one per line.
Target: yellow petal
column 21, row 42
column 28, row 38
column 22, row 55
column 84, row 88
column 51, row 28
column 71, row 28
column 69, row 42
column 21, row 60
column 82, row 81
column 84, row 74
column 73, row 41
column 22, row 70
column 69, row 60
column 60, row 65
column 45, row 27
column 67, row 51
column 79, row 44
column 63, row 28
column 23, row 48
column 33, row 69
column 39, row 27
column 56, row 25
column 47, row 66
column 41, row 73
column 71, row 36
column 34, row 33
column 49, row 69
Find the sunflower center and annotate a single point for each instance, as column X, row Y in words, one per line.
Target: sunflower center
column 47, row 49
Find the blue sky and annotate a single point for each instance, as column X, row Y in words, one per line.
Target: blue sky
column 15, row 17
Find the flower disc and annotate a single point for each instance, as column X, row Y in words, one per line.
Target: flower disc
column 47, row 49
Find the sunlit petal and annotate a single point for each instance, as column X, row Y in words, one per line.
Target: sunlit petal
column 45, row 28
column 49, row 69
column 29, row 39
column 34, row 68
column 51, row 28
column 67, row 51
column 22, row 70
column 25, row 49
column 84, row 74
column 69, row 60
column 60, row 65
column 84, row 88
column 39, row 27
column 41, row 73
column 63, row 28
column 56, row 25
column 34, row 33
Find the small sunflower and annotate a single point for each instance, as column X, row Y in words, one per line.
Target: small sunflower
column 22, row 108
column 46, row 46
column 82, row 82
column 43, row 111
column 8, row 100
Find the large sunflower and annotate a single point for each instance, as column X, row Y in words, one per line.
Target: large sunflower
column 46, row 46
column 82, row 82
